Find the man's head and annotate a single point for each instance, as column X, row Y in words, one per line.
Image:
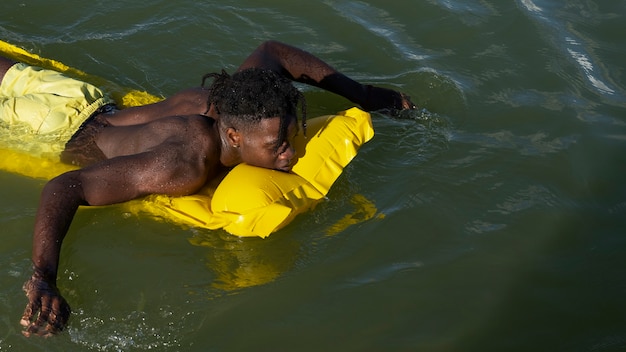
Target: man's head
column 257, row 115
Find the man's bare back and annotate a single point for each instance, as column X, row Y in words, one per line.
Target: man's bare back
column 173, row 155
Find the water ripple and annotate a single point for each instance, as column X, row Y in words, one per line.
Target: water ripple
column 382, row 274
column 380, row 23
column 477, row 10
column 565, row 38
column 539, row 143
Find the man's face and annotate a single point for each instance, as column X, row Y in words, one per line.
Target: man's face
column 259, row 146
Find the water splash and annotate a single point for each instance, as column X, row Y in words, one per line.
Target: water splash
column 137, row 331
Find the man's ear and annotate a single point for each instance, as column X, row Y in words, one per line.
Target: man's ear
column 233, row 137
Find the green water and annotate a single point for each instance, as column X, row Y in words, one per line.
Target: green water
column 502, row 211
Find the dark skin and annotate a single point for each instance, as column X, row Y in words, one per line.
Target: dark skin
column 172, row 147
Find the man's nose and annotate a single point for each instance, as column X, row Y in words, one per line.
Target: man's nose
column 289, row 153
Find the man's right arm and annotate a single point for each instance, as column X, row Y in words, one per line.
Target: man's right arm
column 111, row 181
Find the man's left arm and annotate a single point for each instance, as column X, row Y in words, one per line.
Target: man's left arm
column 304, row 67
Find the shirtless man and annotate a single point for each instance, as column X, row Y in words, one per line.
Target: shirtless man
column 175, row 147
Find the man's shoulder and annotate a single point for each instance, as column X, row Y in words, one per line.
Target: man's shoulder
column 192, row 127
column 199, row 121
column 197, row 95
column 188, row 101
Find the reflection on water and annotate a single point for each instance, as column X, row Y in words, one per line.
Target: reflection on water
column 245, row 262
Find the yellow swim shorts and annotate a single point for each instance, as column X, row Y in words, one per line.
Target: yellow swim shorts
column 40, row 110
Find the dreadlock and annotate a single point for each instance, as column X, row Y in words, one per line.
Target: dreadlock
column 253, row 94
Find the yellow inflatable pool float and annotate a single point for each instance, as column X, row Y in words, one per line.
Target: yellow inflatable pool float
column 249, row 201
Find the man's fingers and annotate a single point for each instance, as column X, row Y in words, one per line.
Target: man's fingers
column 47, row 312
column 49, row 321
column 31, row 308
column 406, row 103
column 37, row 330
column 44, row 311
column 44, row 327
column 59, row 316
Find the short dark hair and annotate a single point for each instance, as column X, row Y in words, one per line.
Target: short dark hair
column 253, row 94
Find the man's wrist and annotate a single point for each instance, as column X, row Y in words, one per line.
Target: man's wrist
column 44, row 275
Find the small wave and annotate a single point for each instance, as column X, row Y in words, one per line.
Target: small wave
column 530, row 6
column 587, row 66
column 562, row 35
column 533, row 196
column 382, row 274
column 539, row 143
column 470, row 12
column 380, row 23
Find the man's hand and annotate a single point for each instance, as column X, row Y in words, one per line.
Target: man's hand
column 386, row 100
column 47, row 312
